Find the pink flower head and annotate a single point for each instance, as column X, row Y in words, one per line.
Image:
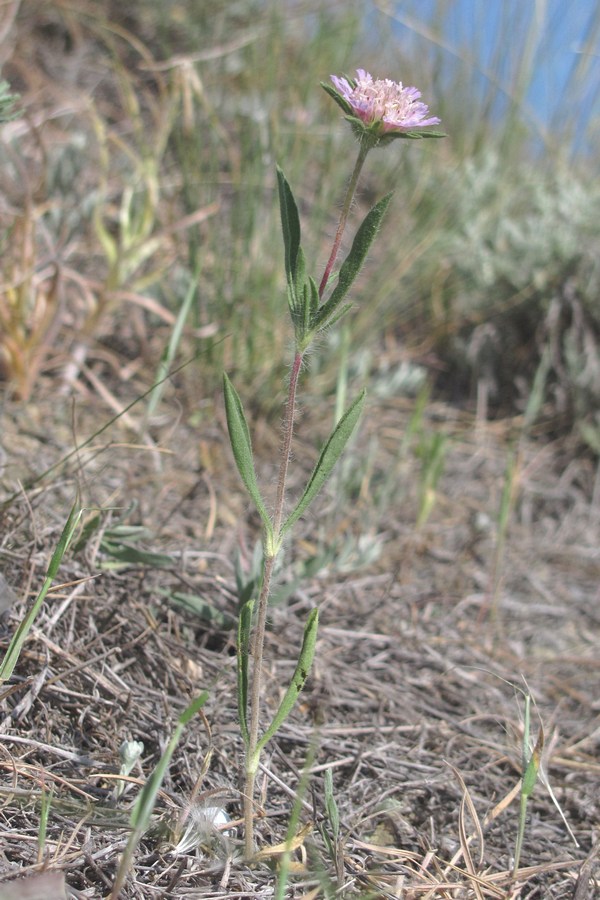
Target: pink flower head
column 386, row 107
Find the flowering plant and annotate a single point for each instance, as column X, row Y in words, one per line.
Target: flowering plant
column 377, row 111
column 380, row 110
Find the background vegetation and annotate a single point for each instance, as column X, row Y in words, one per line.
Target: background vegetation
column 456, row 552
column 145, row 165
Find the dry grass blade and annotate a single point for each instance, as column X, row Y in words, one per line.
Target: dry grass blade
column 587, row 880
column 164, row 127
column 465, row 841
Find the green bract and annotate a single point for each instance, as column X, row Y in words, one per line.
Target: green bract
column 372, row 133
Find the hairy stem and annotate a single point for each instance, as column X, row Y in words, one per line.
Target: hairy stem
column 362, row 155
column 252, row 752
column 251, row 762
column 288, row 433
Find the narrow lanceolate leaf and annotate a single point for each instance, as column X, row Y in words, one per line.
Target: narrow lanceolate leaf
column 336, row 316
column 298, row 679
column 243, row 657
column 311, row 304
column 290, row 225
column 64, row 541
column 239, row 435
column 330, row 454
column 353, row 263
column 296, row 290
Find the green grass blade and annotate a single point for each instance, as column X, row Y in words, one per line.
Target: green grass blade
column 64, row 541
column 239, row 436
column 45, row 806
column 330, row 454
column 298, row 679
column 171, row 348
column 531, row 768
column 331, row 807
column 146, row 801
column 14, row 648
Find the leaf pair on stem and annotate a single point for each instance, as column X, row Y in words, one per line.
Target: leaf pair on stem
column 310, row 315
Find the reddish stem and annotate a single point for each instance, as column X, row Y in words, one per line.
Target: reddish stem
column 350, row 190
column 263, row 600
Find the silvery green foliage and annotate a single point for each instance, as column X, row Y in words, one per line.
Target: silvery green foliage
column 522, row 227
column 522, row 243
column 7, row 103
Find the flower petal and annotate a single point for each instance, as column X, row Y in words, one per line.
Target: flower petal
column 384, row 105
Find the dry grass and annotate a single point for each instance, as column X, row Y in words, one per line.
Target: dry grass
column 410, row 702
column 425, row 646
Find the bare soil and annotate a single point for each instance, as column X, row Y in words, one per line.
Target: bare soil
column 429, row 637
column 416, row 698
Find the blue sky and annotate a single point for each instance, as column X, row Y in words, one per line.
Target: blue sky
column 550, row 41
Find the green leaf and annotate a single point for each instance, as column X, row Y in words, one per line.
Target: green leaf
column 90, row 527
column 14, row 648
column 239, row 435
column 200, row 607
column 170, row 351
column 339, row 314
column 294, row 258
column 331, row 807
column 297, row 292
column 243, row 657
column 530, row 775
column 64, row 541
column 353, row 263
column 303, row 295
column 341, row 101
column 410, row 135
column 248, row 582
column 127, row 556
column 311, row 303
column 327, row 460
column 298, row 679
